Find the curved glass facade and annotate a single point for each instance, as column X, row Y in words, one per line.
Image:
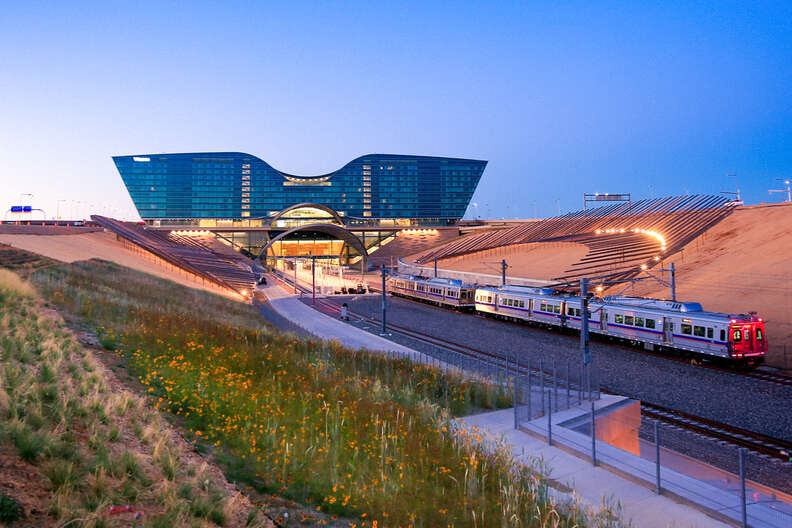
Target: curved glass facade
column 235, row 185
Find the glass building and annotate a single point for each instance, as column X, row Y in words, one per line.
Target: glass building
column 211, row 188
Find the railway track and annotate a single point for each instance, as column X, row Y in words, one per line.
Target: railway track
column 764, row 445
column 768, row 377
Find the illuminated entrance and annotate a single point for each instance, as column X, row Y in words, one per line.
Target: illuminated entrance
column 329, row 241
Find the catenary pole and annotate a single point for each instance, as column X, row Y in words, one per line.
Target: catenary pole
column 384, row 303
column 584, row 327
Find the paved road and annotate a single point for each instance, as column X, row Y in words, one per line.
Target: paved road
column 722, row 396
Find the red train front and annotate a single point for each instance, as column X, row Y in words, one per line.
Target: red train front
column 747, row 339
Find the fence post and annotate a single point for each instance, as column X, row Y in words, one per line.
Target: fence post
column 555, row 384
column 542, row 383
column 657, row 455
column 593, row 437
column 567, row 384
column 580, row 384
column 530, row 392
column 514, row 396
column 742, row 488
column 549, row 418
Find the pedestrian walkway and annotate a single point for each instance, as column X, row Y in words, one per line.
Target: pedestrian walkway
column 592, row 484
column 324, row 326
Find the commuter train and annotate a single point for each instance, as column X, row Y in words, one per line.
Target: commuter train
column 653, row 323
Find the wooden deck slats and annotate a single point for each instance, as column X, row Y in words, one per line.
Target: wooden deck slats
column 193, row 254
column 678, row 219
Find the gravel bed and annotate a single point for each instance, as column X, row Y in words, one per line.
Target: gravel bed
column 721, row 396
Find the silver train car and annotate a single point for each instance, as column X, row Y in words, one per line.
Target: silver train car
column 444, row 292
column 653, row 323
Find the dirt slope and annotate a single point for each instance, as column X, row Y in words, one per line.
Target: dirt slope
column 742, row 264
column 102, row 245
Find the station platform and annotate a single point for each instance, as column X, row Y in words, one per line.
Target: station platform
column 593, row 486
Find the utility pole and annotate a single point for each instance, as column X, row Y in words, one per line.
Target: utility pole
column 503, row 272
column 673, row 282
column 295, row 277
column 313, row 279
column 435, row 266
column 384, row 331
column 584, row 328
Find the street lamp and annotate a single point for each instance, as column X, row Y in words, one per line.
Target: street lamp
column 788, row 189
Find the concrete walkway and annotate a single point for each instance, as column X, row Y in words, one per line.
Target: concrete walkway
column 592, row 484
column 324, row 326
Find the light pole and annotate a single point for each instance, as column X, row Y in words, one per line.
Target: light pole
column 788, row 189
column 57, row 210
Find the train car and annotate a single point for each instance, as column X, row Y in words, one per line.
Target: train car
column 444, row 292
column 684, row 326
column 655, row 324
column 525, row 303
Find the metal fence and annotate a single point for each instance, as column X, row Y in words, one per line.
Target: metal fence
column 613, row 432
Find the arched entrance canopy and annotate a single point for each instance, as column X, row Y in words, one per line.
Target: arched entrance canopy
column 306, row 205
column 329, row 229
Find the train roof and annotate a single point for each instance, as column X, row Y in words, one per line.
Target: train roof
column 513, row 288
column 438, row 281
column 658, row 304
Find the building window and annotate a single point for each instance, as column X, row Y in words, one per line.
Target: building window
column 245, row 213
column 366, row 213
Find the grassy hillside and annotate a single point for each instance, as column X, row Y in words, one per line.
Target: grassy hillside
column 75, row 447
column 350, row 433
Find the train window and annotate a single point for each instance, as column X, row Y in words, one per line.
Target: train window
column 639, row 321
column 723, row 335
column 710, row 333
column 543, row 307
column 618, row 318
column 522, row 304
column 699, row 331
column 759, row 335
column 570, row 311
column 737, row 336
column 628, row 319
column 650, row 323
column 557, row 309
column 687, row 329
column 489, row 299
column 747, row 335
column 577, row 312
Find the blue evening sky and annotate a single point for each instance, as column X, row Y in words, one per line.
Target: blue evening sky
column 652, row 98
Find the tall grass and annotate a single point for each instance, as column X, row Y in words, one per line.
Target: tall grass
column 355, row 434
column 60, row 418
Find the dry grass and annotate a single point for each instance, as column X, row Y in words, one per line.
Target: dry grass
column 68, row 452
column 353, row 434
column 11, row 283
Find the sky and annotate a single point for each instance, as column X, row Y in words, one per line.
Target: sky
column 562, row 98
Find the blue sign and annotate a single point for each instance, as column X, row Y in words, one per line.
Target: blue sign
column 27, row 209
column 16, row 208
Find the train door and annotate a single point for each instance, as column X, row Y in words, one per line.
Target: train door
column 603, row 320
column 668, row 330
column 563, row 313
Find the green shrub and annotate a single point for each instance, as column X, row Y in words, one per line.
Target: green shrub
column 10, row 509
column 29, row 445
